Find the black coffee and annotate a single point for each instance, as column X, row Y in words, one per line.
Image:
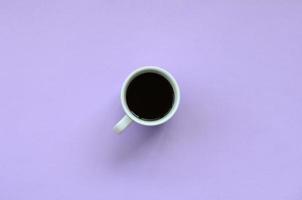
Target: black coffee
column 150, row 96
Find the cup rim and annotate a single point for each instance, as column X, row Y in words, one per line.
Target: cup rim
column 163, row 73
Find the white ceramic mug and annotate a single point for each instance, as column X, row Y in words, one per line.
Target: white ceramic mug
column 129, row 116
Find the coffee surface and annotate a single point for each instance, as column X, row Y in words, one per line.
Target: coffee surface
column 150, row 96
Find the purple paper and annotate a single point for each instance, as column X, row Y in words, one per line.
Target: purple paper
column 236, row 136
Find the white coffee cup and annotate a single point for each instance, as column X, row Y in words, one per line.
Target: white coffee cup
column 129, row 116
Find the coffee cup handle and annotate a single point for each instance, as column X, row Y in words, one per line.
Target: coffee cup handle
column 122, row 124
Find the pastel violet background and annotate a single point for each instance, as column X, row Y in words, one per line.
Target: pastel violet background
column 237, row 134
